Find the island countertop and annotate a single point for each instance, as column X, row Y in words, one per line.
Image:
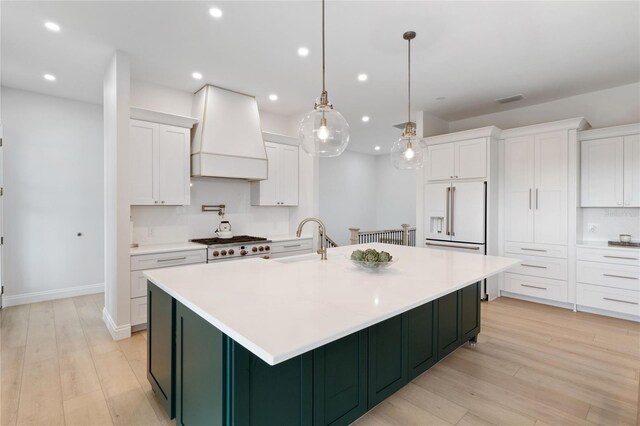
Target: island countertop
column 278, row 309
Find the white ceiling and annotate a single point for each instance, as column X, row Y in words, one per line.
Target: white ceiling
column 468, row 52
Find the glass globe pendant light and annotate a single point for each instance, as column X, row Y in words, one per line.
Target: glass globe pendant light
column 323, row 132
column 407, row 153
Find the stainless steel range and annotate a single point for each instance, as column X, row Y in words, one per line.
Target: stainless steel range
column 221, row 249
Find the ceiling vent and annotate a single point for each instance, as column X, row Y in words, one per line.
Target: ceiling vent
column 508, row 99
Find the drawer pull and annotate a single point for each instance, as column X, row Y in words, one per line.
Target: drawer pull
column 619, row 276
column 621, row 257
column 533, row 266
column 172, row 259
column 533, row 286
column 621, row 301
column 295, row 245
column 530, row 249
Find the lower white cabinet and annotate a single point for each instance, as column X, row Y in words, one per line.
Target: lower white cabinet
column 542, row 288
column 609, row 279
column 144, row 262
column 285, row 248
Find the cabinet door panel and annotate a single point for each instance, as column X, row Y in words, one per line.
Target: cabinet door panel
column 440, row 164
column 421, row 342
column 550, row 197
column 143, row 140
column 288, row 175
column 601, row 176
column 632, row 171
column 449, row 336
column 519, row 184
column 269, row 187
column 471, row 159
column 387, row 358
column 436, row 220
column 174, row 163
column 340, row 380
column 470, row 319
column 161, row 351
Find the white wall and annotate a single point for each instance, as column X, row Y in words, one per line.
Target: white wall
column 160, row 98
column 603, row 108
column 396, row 195
column 53, row 175
column 609, row 223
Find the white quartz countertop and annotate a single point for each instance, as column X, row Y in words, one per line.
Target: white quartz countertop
column 604, row 245
column 279, row 238
column 166, row 248
column 281, row 308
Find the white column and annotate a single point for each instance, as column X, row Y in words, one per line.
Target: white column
column 116, row 313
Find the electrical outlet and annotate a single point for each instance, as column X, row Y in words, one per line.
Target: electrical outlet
column 593, row 228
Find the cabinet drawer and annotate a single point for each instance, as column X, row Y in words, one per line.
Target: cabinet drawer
column 536, row 287
column 544, row 267
column 139, row 310
column 610, row 299
column 161, row 260
column 618, row 256
column 305, row 246
column 609, row 275
column 138, row 284
column 533, row 249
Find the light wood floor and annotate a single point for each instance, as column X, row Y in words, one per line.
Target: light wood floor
column 533, row 365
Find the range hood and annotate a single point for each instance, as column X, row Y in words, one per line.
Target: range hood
column 227, row 141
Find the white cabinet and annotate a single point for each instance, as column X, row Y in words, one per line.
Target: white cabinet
column 536, row 177
column 293, row 247
column 159, row 164
column 610, row 171
column 281, row 186
column 457, row 160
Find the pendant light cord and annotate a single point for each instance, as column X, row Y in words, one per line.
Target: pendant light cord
column 408, row 83
column 323, row 85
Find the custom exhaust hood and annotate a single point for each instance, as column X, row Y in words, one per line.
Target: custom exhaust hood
column 227, row 141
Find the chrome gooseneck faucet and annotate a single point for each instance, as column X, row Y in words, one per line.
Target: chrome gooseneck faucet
column 322, row 251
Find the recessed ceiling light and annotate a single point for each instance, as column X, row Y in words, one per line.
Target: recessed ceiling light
column 362, row 77
column 303, row 51
column 215, row 12
column 377, row 148
column 197, row 75
column 273, row 97
column 49, row 77
column 365, row 118
column 52, row 26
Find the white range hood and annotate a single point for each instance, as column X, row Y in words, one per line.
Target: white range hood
column 227, row 141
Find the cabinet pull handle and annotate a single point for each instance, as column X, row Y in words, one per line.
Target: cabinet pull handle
column 453, row 198
column 620, row 276
column 529, row 198
column 536, row 198
column 621, row 257
column 447, row 213
column 172, row 259
column 453, row 246
column 295, row 245
column 533, row 286
column 530, row 249
column 533, row 266
column 621, row 301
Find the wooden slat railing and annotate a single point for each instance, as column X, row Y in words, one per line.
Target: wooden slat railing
column 328, row 241
column 403, row 237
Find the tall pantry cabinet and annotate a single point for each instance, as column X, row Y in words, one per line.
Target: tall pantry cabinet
column 539, row 201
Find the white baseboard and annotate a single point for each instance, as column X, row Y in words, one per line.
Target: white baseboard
column 117, row 332
column 597, row 311
column 41, row 296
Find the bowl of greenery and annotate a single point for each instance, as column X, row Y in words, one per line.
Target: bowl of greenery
column 372, row 259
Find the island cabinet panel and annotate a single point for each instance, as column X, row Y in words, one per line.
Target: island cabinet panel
column 261, row 394
column 470, row 321
column 449, row 330
column 340, row 380
column 161, row 312
column 387, row 358
column 200, row 350
column 421, row 342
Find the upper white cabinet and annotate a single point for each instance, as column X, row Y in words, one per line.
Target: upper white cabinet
column 281, row 186
column 457, row 160
column 610, row 167
column 536, row 179
column 159, row 164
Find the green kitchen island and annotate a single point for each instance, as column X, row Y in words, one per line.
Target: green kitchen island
column 302, row 341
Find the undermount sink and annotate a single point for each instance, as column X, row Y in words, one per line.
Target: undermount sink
column 303, row 258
